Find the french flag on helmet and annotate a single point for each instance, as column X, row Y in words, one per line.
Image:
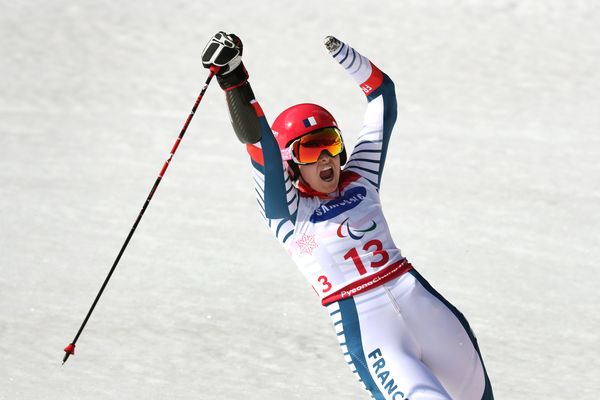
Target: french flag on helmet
column 310, row 121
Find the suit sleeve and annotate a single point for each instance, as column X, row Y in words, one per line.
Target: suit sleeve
column 276, row 196
column 370, row 150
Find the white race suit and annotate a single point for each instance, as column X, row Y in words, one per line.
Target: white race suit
column 401, row 338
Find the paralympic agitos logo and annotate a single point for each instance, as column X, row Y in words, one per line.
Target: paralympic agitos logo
column 355, row 234
column 335, row 207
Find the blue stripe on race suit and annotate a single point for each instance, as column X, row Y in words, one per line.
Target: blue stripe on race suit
column 291, row 186
column 275, row 191
column 259, row 196
column 360, row 63
column 260, row 205
column 257, row 167
column 487, row 393
column 346, row 56
column 366, row 160
column 351, row 326
column 283, row 221
column 287, row 236
column 365, row 169
column 285, row 232
column 257, row 184
column 338, row 51
column 292, row 200
column 353, row 60
column 390, row 113
column 366, row 151
column 366, row 142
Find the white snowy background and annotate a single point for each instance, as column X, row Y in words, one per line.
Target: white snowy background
column 492, row 190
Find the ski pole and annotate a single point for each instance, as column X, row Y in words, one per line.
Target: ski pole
column 70, row 349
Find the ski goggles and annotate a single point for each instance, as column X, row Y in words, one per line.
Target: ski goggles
column 308, row 148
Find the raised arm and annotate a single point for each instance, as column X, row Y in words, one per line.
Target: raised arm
column 275, row 193
column 368, row 156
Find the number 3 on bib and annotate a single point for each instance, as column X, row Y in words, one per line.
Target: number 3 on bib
column 325, row 282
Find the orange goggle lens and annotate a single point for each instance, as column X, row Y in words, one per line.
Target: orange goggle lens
column 308, row 148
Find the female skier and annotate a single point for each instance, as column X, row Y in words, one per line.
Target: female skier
column 400, row 337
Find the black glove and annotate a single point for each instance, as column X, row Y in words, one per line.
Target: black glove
column 225, row 52
column 332, row 44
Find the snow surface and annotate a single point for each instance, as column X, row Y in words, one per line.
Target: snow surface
column 492, row 189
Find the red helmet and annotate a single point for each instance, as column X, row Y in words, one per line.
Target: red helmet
column 298, row 120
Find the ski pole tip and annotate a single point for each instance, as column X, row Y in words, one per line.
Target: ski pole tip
column 70, row 349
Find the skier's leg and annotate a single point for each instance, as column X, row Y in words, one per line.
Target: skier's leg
column 380, row 350
column 449, row 348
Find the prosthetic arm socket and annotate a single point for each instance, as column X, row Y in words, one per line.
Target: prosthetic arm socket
column 243, row 116
column 238, row 94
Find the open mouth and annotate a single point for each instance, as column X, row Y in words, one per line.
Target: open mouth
column 326, row 174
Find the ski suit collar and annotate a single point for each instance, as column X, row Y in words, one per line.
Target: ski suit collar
column 346, row 178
